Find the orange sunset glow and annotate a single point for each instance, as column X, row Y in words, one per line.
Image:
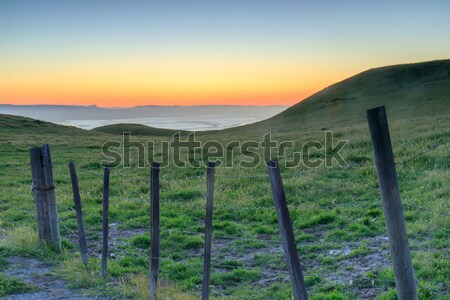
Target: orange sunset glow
column 228, row 53
column 165, row 83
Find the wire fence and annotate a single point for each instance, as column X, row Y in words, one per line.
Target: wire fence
column 57, row 171
column 271, row 241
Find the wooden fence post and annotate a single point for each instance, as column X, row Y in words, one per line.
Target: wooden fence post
column 40, row 194
column 392, row 206
column 105, row 220
column 51, row 198
column 154, row 228
column 45, row 197
column 79, row 212
column 208, row 229
column 286, row 232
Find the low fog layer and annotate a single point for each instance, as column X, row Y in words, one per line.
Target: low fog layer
column 173, row 117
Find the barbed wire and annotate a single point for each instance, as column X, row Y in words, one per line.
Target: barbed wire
column 357, row 204
column 425, row 209
column 227, row 237
column 433, row 147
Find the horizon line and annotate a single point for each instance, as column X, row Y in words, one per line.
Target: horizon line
column 150, row 105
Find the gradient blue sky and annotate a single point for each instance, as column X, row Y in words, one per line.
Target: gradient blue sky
column 125, row 53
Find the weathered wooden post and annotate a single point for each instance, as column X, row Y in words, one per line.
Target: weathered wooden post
column 45, row 197
column 40, row 194
column 154, row 228
column 79, row 212
column 105, row 221
column 392, row 206
column 208, row 229
column 286, row 231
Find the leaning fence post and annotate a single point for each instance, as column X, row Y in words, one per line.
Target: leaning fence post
column 154, row 228
column 392, row 206
column 208, row 229
column 79, row 212
column 105, row 220
column 286, row 232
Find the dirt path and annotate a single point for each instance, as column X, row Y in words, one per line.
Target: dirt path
column 349, row 270
column 42, row 276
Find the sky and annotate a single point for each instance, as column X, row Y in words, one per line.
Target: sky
column 179, row 52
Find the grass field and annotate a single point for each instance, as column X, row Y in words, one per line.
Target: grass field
column 336, row 212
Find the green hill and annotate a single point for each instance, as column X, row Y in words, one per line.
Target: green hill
column 136, row 129
column 408, row 91
column 23, row 125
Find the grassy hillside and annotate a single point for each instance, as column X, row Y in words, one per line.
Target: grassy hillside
column 23, row 125
column 136, row 129
column 407, row 90
column 336, row 212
